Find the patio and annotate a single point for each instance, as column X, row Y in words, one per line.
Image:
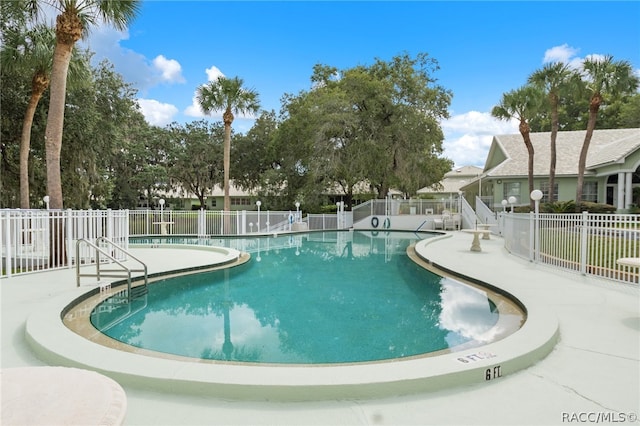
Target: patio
column 593, row 371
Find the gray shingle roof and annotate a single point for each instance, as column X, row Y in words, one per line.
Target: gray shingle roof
column 607, row 146
column 453, row 180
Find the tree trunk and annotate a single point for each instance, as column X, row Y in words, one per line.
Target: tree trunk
column 55, row 122
column 594, row 106
column 553, row 155
column 227, row 117
column 68, row 31
column 525, row 132
column 39, row 84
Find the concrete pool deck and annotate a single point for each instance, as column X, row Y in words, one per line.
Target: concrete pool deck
column 594, row 368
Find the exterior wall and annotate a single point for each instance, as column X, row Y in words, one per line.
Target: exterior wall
column 213, row 203
column 494, row 188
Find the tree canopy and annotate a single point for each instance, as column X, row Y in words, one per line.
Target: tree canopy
column 364, row 129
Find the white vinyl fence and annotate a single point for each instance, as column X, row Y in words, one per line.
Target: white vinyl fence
column 204, row 223
column 585, row 243
column 37, row 240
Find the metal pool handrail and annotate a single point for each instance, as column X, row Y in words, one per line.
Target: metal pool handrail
column 113, row 273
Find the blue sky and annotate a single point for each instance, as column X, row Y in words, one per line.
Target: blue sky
column 483, row 49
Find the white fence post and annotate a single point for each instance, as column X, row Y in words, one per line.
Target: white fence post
column 8, row 262
column 110, row 232
column 69, row 229
column 201, row 223
column 584, row 233
column 531, row 238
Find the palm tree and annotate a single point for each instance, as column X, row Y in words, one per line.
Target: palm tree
column 72, row 24
column 229, row 96
column 605, row 79
column 521, row 104
column 553, row 79
column 32, row 52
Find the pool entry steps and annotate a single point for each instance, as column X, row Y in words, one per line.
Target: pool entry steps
column 114, row 254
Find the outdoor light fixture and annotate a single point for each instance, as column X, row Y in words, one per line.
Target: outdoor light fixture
column 512, row 201
column 504, row 205
column 161, row 202
column 297, row 211
column 258, row 204
column 46, row 201
column 536, row 196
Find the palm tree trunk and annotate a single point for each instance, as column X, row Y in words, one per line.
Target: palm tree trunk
column 53, row 146
column 227, row 118
column 227, row 165
column 553, row 154
column 594, row 106
column 525, row 131
column 38, row 88
column 530, row 168
column 55, row 122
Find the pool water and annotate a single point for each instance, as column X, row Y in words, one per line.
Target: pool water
column 316, row 298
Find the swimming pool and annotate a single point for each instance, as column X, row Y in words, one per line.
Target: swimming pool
column 315, row 298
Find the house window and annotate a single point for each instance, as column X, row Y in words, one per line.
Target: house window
column 511, row 189
column 240, row 201
column 544, row 187
column 590, row 192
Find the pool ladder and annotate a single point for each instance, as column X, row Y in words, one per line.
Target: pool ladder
column 123, row 272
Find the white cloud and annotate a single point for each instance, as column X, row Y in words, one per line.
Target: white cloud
column 468, row 136
column 135, row 68
column 567, row 55
column 562, row 54
column 156, row 113
column 195, row 110
column 170, row 69
column 213, row 73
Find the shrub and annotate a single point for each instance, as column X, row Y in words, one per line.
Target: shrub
column 559, row 207
column 586, row 206
column 570, row 207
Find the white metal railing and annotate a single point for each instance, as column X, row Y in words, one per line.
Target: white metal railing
column 587, row 243
column 109, row 251
column 203, row 223
column 393, row 207
column 38, row 240
column 469, row 218
column 484, row 214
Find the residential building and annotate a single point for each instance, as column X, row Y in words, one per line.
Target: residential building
column 451, row 183
column 611, row 171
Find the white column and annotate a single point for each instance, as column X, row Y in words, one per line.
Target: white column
column 620, row 200
column 628, row 190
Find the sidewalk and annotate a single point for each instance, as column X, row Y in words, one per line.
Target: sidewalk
column 593, row 371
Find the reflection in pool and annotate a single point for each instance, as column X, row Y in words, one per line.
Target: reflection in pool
column 313, row 298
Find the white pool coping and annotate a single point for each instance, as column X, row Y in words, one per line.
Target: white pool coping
column 53, row 342
column 593, row 369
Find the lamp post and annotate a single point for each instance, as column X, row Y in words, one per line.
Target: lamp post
column 512, row 201
column 46, row 201
column 297, row 211
column 536, row 196
column 161, row 202
column 258, row 204
column 504, row 205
